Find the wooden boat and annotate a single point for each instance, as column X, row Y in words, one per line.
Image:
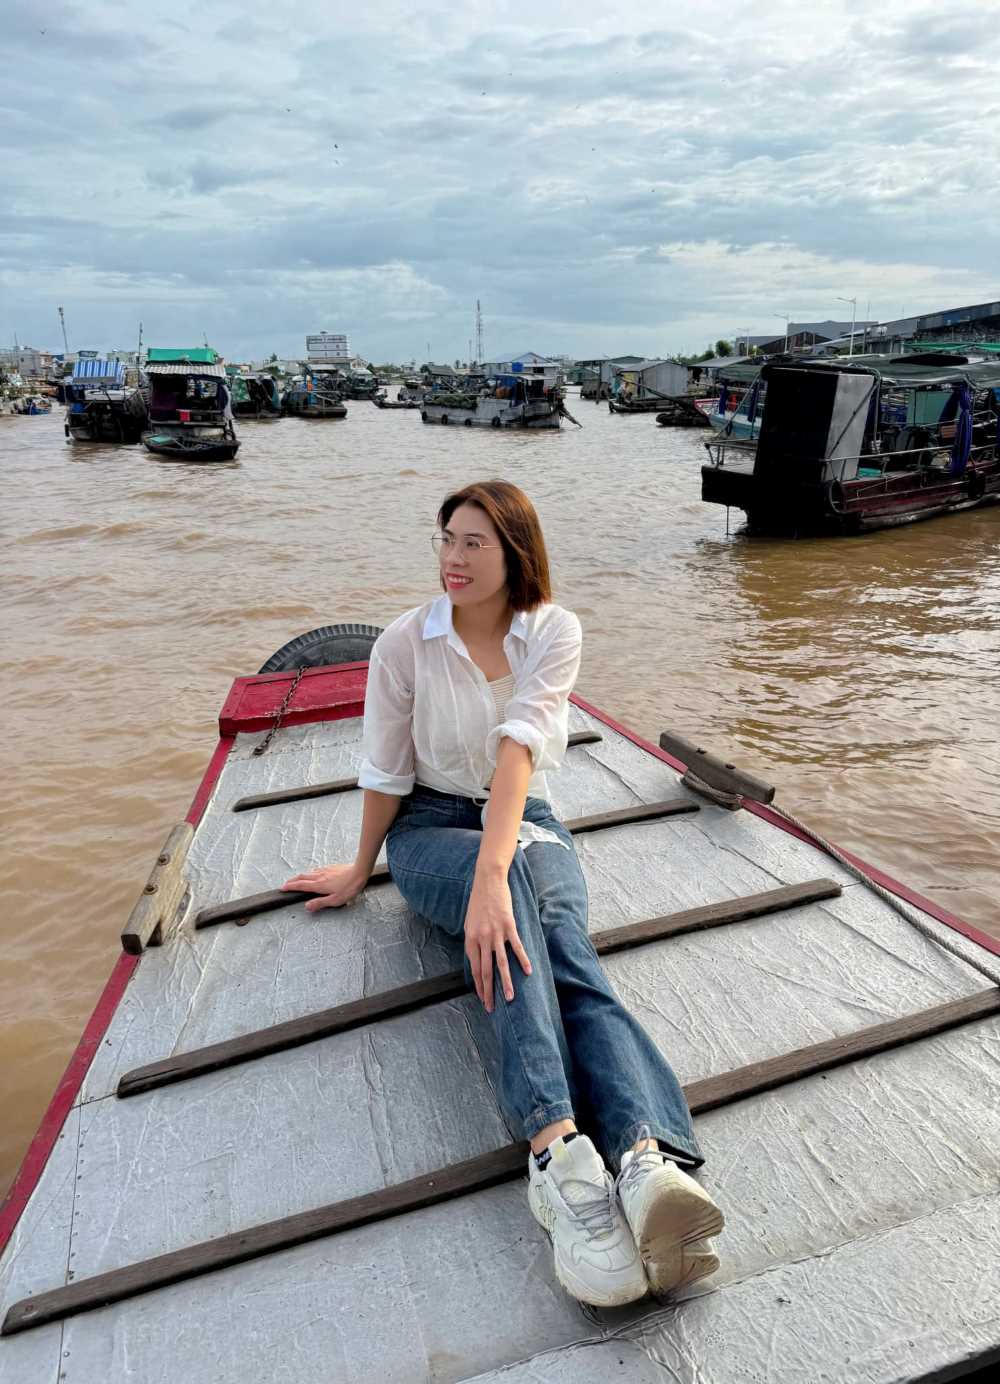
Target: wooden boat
column 643, row 405
column 101, row 406
column 318, row 394
column 190, row 416
column 276, row 1148
column 683, row 411
column 380, row 401
column 31, row 405
column 862, row 443
column 529, row 397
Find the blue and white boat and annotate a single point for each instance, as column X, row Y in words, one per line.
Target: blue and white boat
column 100, row 405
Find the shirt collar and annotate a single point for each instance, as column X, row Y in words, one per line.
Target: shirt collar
column 438, row 620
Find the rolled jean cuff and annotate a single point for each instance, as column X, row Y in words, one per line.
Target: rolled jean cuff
column 676, row 1145
column 546, row 1115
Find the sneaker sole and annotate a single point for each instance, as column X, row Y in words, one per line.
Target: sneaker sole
column 681, row 1269
column 582, row 1292
column 679, row 1216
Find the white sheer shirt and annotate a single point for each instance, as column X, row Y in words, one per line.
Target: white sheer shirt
column 430, row 715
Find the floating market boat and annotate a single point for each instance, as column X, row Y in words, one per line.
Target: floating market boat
column 684, row 411
column 101, row 406
column 380, row 401
column 190, row 417
column 529, row 397
column 254, row 395
column 319, row 393
column 862, row 443
column 30, row 405
column 277, row 1152
column 411, row 391
column 626, row 404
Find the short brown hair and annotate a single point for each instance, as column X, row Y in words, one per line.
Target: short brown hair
column 516, row 521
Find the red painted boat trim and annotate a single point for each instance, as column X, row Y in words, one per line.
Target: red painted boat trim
column 62, row 1102
column 774, row 816
column 204, row 791
column 323, row 694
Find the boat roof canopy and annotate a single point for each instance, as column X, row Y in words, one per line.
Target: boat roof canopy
column 170, row 367
column 195, row 355
column 924, row 370
column 99, row 370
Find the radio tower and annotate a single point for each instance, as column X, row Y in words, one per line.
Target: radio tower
column 479, row 334
column 62, row 323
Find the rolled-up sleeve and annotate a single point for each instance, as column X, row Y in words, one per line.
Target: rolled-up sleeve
column 387, row 765
column 538, row 714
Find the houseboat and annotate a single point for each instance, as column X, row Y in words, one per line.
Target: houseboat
column 190, row 415
column 863, row 443
column 101, row 406
column 317, row 393
column 277, row 1151
column 530, row 396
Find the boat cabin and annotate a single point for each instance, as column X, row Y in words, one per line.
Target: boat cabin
column 859, row 443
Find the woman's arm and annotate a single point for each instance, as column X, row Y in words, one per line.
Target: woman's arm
column 336, row 885
column 489, row 918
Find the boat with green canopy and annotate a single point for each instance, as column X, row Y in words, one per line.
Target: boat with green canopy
column 190, row 413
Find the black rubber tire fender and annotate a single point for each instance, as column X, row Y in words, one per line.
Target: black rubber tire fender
column 320, row 648
column 444, row 420
column 468, row 422
column 495, row 422
column 977, row 484
column 423, row 415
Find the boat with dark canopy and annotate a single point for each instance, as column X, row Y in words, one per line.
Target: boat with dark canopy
column 277, row 1152
column 862, row 443
column 190, row 415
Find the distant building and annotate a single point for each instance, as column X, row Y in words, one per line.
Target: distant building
column 505, row 365
column 28, row 361
column 328, row 348
column 802, row 336
column 651, row 378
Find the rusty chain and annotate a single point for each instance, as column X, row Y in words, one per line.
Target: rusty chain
column 280, row 713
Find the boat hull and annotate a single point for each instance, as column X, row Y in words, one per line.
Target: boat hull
column 197, row 449
column 493, row 413
column 852, row 507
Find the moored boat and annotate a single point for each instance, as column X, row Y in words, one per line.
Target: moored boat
column 862, row 443
column 286, row 1122
column 190, row 417
column 318, row 393
column 254, row 395
column 529, row 397
column 101, row 406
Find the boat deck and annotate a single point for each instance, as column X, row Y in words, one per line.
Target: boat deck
column 863, row 1200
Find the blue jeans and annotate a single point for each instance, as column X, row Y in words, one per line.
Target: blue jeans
column 567, row 1047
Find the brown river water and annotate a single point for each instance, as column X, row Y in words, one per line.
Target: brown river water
column 859, row 675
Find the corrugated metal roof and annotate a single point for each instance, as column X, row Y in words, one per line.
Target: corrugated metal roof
column 179, row 368
column 99, row 370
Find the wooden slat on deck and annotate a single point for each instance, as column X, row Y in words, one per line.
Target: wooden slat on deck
column 345, row 785
column 281, row 898
column 405, row 998
column 502, row 1165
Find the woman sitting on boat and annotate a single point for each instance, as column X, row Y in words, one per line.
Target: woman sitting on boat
column 467, row 705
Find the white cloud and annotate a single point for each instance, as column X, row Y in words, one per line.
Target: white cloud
column 386, row 166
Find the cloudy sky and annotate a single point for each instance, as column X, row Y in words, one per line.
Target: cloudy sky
column 605, row 180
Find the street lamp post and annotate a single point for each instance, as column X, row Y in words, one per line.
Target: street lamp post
column 787, row 318
column 854, row 315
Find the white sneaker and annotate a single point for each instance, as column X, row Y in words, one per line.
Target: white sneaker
column 573, row 1199
column 671, row 1216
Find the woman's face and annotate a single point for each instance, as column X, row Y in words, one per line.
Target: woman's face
column 473, row 567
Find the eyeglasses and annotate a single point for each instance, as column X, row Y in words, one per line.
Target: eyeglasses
column 448, row 544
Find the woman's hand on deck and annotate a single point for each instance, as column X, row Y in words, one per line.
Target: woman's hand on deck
column 489, row 927
column 334, row 884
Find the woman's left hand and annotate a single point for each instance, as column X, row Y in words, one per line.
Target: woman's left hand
column 489, row 927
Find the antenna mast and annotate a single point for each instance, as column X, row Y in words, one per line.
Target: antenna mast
column 62, row 323
column 479, row 334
